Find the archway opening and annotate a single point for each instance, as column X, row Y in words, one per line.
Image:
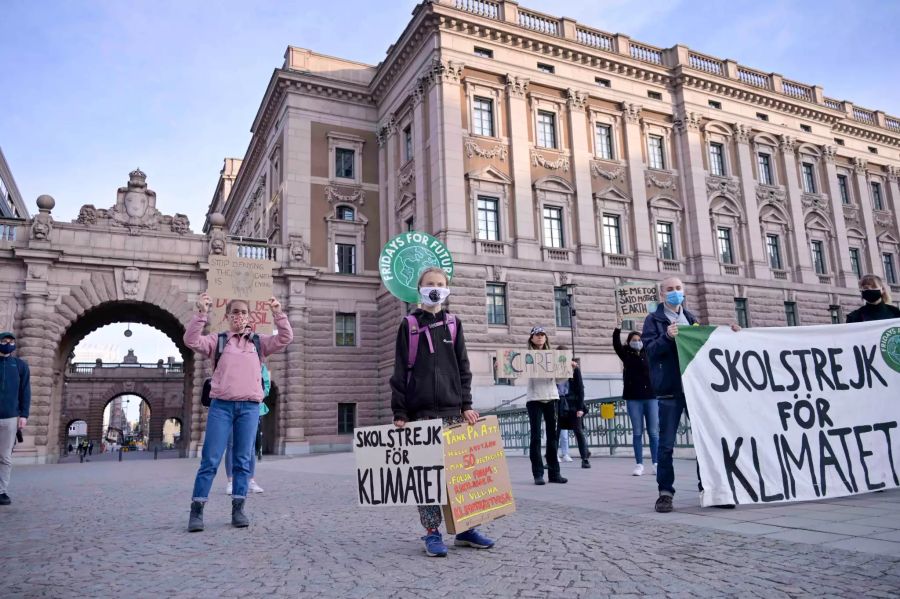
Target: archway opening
column 126, row 424
column 171, row 433
column 77, row 433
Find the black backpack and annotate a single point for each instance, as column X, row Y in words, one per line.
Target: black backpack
column 205, row 399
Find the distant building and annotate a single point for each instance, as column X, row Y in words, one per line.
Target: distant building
column 11, row 204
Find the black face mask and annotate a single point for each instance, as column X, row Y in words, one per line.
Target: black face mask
column 7, row 348
column 871, row 295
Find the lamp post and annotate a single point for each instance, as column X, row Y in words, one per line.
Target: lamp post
column 569, row 302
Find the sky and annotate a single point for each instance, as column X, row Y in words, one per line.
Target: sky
column 92, row 89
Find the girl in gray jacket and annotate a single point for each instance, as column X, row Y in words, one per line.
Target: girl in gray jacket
column 541, row 401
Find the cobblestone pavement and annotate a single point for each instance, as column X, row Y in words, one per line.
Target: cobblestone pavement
column 117, row 529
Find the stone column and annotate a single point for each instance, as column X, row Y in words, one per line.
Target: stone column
column 389, row 132
column 865, row 205
column 292, row 397
column 382, row 184
column 702, row 258
column 585, row 219
column 296, row 203
column 644, row 250
column 527, row 246
column 37, row 349
column 422, row 216
column 803, row 270
column 843, row 271
column 757, row 263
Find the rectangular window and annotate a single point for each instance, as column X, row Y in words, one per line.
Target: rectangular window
column 715, row 104
column 563, row 314
column 602, row 82
column 483, row 117
column 844, row 189
column 665, row 241
column 345, row 329
column 346, row 418
column 809, row 177
column 488, row 223
column 764, row 161
column 546, row 68
column 740, row 311
column 345, row 258
column 484, row 52
column 407, row 143
column 762, row 116
column 553, row 229
column 835, row 313
column 546, row 133
column 726, row 253
column 654, row 95
column 612, row 234
column 717, row 159
column 343, row 163
column 496, row 303
column 603, row 141
column 655, row 145
column 877, row 199
column 890, row 275
column 855, row 263
column 773, row 247
column 790, row 314
column 818, row 257
column 806, row 128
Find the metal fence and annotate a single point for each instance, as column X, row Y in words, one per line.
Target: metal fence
column 610, row 434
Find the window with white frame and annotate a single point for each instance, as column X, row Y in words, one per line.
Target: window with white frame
column 764, row 164
column 345, row 329
column 809, row 177
column 553, row 227
column 562, row 308
column 877, row 198
column 773, row 249
column 603, row 141
column 817, row 247
column 741, row 312
column 345, row 258
column 656, row 152
column 790, row 314
column 665, row 240
column 855, row 263
column 890, row 273
column 844, row 189
column 344, row 163
column 546, row 129
column 495, row 294
column 345, row 213
column 488, row 218
column 717, row 159
column 483, row 116
column 612, row 234
column 345, row 157
column 726, row 251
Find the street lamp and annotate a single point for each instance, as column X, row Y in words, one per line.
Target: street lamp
column 569, row 302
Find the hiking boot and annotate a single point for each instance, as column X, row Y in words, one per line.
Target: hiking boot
column 558, row 479
column 585, row 463
column 195, row 523
column 4, row 499
column 434, row 544
column 238, row 518
column 664, row 504
column 473, row 538
column 539, row 480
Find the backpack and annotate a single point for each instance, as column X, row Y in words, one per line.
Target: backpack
column 205, row 399
column 413, row 338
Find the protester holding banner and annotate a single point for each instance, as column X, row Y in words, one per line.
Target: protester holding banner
column 659, row 332
column 541, row 399
column 235, row 396
column 571, row 410
column 878, row 304
column 639, row 398
column 432, row 379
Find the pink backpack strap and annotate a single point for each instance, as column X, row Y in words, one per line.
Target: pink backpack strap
column 451, row 324
column 413, row 344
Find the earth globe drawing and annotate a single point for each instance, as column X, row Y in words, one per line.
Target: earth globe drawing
column 892, row 348
column 410, row 262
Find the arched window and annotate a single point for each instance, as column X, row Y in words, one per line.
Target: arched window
column 345, row 213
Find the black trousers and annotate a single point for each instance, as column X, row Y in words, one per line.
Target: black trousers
column 547, row 410
column 579, row 436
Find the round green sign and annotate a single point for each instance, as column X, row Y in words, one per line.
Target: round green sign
column 890, row 347
column 404, row 258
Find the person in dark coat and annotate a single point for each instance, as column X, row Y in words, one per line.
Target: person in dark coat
column 639, row 398
column 571, row 410
column 878, row 304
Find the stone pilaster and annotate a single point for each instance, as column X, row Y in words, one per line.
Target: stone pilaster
column 585, row 219
column 803, row 270
column 644, row 251
column 843, row 271
column 527, row 246
column 702, row 255
column 293, row 390
column 422, row 214
column 757, row 264
column 389, row 132
column 860, row 167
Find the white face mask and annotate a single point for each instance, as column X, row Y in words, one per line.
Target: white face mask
column 433, row 296
column 636, row 345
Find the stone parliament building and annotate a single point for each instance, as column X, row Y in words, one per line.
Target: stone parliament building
column 553, row 159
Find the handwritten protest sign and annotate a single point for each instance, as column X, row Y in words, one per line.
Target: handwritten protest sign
column 793, row 413
column 634, row 300
column 400, row 466
column 240, row 278
column 519, row 363
column 478, row 482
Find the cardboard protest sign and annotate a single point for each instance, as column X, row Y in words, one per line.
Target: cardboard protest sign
column 478, row 484
column 634, row 300
column 519, row 363
column 403, row 259
column 400, row 466
column 793, row 413
column 240, row 278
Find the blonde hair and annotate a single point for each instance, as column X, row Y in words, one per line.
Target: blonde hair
column 433, row 269
column 870, row 279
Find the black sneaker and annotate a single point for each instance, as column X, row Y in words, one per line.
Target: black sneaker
column 558, row 479
column 4, row 499
column 664, row 504
column 539, row 480
column 585, row 464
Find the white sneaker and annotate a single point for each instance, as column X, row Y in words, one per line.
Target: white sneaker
column 653, row 469
column 567, row 458
column 638, row 470
column 228, row 488
column 255, row 488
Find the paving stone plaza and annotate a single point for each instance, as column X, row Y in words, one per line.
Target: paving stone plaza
column 104, row 528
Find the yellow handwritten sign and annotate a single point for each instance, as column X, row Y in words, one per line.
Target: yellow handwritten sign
column 520, row 363
column 478, row 484
column 240, row 278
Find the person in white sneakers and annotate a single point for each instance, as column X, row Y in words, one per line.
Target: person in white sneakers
column 252, row 486
column 639, row 397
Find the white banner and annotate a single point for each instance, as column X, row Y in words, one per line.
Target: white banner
column 793, row 413
column 400, row 466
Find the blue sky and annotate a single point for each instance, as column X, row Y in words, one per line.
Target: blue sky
column 92, row 89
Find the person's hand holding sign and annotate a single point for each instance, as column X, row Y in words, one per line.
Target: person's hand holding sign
column 274, row 306
column 471, row 416
column 399, row 423
column 203, row 303
column 672, row 331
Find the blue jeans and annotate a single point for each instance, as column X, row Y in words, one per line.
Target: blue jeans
column 238, row 418
column 670, row 410
column 229, row 458
column 638, row 411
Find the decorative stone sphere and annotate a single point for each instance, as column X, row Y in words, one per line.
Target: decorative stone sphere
column 46, row 202
column 217, row 219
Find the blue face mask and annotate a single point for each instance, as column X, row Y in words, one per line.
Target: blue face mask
column 674, row 298
column 7, row 348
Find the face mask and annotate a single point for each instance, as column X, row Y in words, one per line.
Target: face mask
column 636, row 345
column 7, row 348
column 434, row 296
column 674, row 298
column 871, row 295
column 239, row 322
